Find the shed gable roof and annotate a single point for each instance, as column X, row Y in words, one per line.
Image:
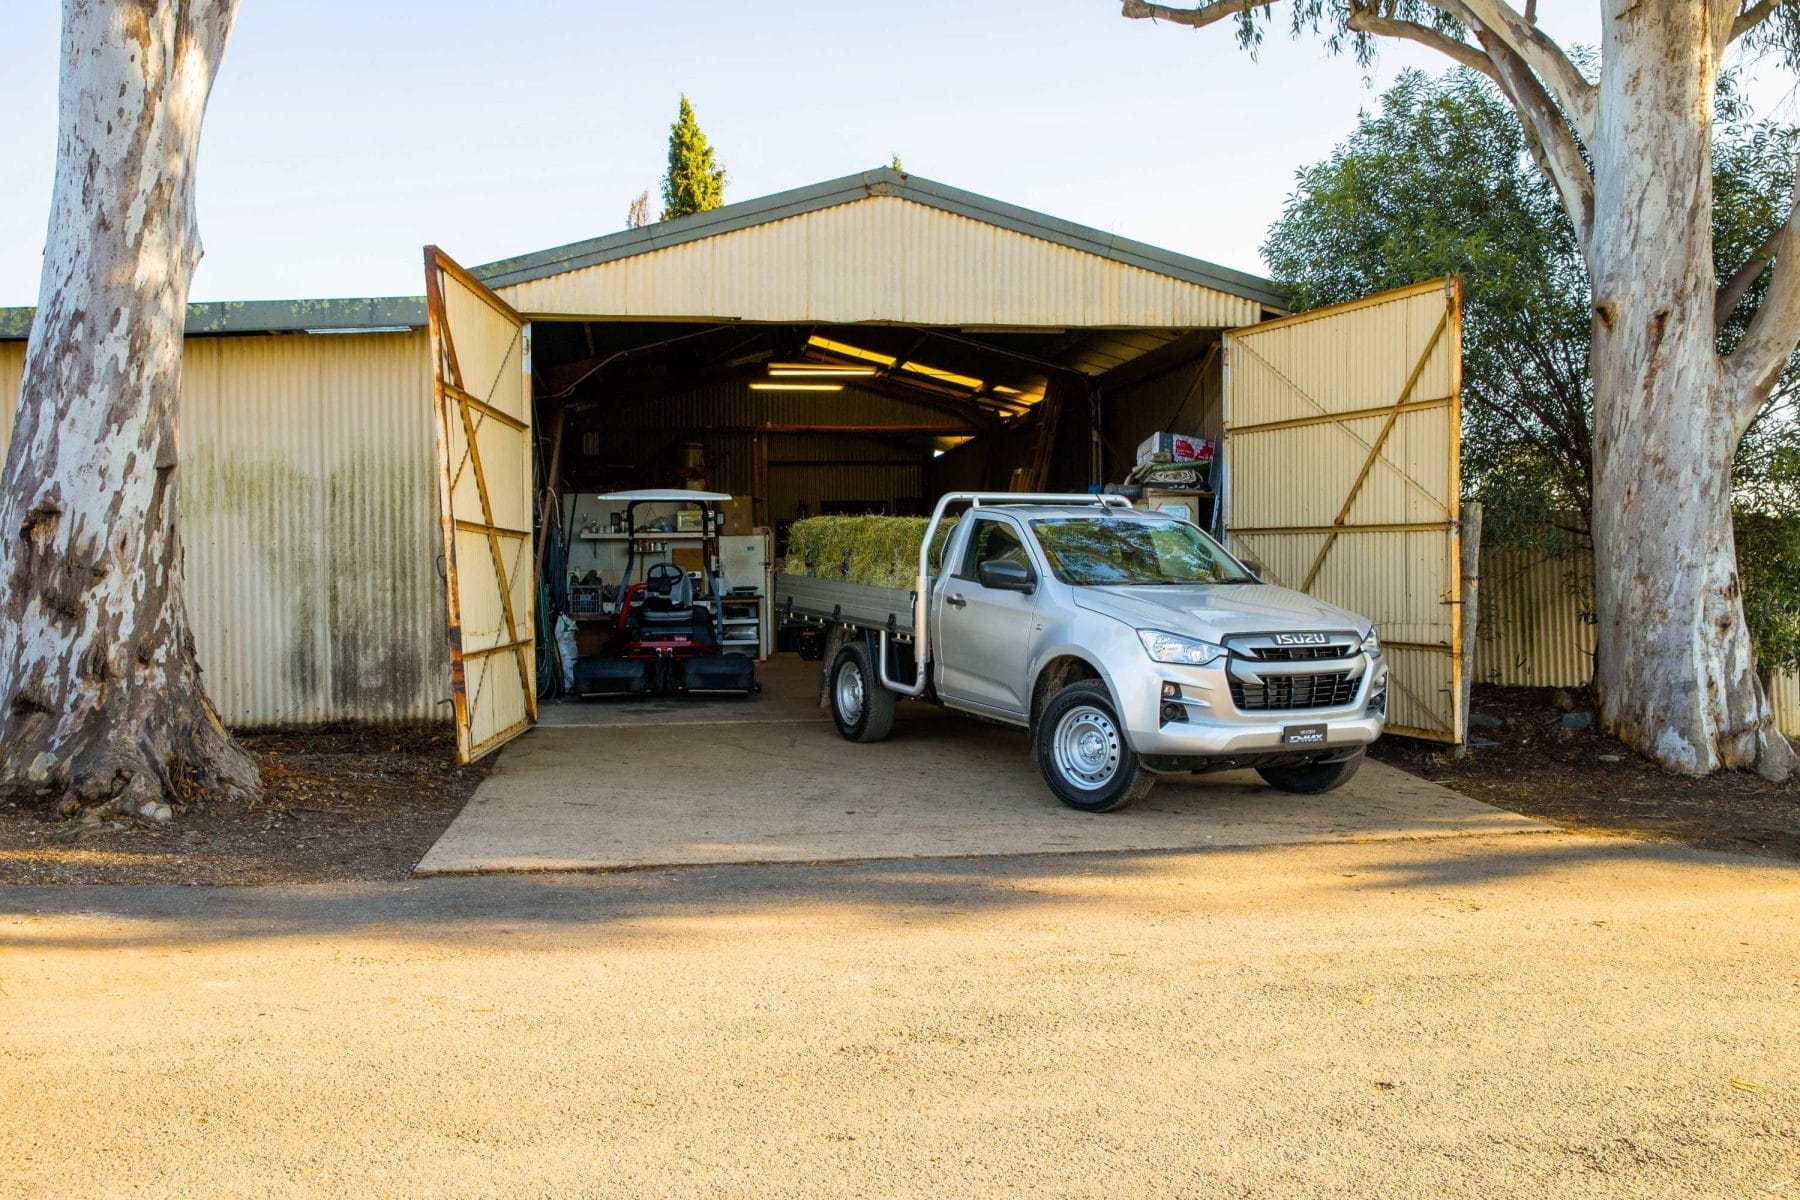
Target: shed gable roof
column 885, row 182
column 1160, row 287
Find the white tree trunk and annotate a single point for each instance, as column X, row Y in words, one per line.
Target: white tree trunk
column 1676, row 673
column 101, row 704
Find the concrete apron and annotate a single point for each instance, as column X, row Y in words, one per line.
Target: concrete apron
column 773, row 785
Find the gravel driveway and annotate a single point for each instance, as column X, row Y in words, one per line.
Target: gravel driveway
column 1516, row 1016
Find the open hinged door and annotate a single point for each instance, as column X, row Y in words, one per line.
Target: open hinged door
column 1342, row 452
column 481, row 368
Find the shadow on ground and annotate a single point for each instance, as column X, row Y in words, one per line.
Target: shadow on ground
column 476, row 910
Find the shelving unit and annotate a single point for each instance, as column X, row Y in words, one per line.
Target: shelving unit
column 745, row 629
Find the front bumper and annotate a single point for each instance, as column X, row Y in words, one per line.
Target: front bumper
column 1212, row 726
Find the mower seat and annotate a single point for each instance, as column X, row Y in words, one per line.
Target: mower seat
column 668, row 596
column 668, row 606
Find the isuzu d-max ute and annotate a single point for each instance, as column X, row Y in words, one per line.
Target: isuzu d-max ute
column 1128, row 642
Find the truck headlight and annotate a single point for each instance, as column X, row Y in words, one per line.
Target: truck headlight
column 1187, row 652
column 1372, row 645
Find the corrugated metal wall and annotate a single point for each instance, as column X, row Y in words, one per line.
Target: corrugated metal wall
column 1536, row 631
column 12, row 375
column 882, row 259
column 309, row 508
column 1533, row 627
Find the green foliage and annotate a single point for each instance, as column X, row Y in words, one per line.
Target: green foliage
column 693, row 183
column 1768, row 547
column 882, row 551
column 895, row 166
column 1439, row 182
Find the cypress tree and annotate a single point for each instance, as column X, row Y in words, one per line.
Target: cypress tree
column 693, row 182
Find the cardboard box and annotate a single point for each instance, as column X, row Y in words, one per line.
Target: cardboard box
column 1174, row 448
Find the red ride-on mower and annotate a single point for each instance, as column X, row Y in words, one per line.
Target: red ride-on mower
column 664, row 639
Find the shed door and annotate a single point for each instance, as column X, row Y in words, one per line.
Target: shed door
column 481, row 368
column 1342, row 435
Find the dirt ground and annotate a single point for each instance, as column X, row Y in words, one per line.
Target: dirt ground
column 339, row 804
column 1590, row 783
column 1521, row 1017
column 365, row 804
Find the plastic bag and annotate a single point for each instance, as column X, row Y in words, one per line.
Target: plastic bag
column 565, row 649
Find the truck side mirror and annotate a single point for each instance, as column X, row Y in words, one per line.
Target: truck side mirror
column 1006, row 576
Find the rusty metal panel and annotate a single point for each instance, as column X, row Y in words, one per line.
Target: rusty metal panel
column 881, row 258
column 1343, row 477
column 481, row 371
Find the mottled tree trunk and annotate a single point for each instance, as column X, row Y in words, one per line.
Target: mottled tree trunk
column 101, row 704
column 1676, row 671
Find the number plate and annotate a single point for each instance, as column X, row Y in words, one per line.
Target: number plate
column 1303, row 735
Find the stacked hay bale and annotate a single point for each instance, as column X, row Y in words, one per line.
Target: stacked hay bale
column 880, row 551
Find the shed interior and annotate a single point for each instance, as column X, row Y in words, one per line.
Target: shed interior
column 813, row 419
column 797, row 420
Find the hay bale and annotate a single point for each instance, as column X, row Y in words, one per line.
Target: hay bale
column 880, row 551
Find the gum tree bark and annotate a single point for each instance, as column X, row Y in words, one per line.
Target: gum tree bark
column 101, row 703
column 1676, row 675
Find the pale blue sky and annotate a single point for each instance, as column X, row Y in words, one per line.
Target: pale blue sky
column 343, row 136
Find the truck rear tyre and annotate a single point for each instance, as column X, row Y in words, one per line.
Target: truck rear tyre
column 1312, row 779
column 1082, row 751
column 862, row 709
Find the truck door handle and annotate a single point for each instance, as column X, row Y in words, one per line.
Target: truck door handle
column 955, row 599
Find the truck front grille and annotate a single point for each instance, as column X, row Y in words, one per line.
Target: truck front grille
column 1289, row 692
column 1296, row 653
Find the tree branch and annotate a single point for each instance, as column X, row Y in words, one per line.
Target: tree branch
column 1363, row 20
column 1555, row 72
column 1774, row 331
column 1753, row 16
column 1206, row 14
column 1732, row 294
column 1547, row 131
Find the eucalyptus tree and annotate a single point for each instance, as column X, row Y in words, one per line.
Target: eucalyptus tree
column 101, row 703
column 1628, row 150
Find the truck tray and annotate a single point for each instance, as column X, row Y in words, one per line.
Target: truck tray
column 858, row 604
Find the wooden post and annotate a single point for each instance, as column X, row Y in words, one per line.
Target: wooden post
column 1471, row 609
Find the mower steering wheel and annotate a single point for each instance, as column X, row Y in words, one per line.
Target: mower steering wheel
column 664, row 570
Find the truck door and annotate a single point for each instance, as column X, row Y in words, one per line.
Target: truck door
column 1343, row 471
column 481, row 374
column 983, row 633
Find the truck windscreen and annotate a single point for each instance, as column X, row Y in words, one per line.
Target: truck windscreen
column 1113, row 553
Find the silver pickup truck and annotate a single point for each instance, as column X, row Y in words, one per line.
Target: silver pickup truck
column 1128, row 642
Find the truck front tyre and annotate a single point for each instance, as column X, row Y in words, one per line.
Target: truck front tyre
column 1312, row 779
column 861, row 708
column 1082, row 752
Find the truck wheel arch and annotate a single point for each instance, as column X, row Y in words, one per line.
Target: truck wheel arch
column 1059, row 673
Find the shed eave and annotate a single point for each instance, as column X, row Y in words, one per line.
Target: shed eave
column 345, row 315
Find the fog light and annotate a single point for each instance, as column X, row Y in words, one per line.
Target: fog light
column 1171, row 709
